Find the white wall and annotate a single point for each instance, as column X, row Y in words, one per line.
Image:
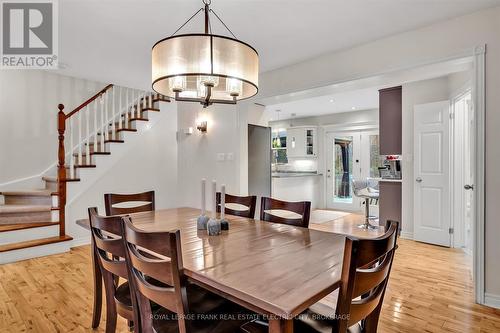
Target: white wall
column 150, row 163
column 28, row 113
column 438, row 41
column 198, row 152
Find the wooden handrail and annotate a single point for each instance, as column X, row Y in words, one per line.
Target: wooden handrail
column 90, row 100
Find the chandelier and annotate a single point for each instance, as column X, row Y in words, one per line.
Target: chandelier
column 204, row 67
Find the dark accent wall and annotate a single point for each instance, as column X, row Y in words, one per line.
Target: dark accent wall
column 390, row 117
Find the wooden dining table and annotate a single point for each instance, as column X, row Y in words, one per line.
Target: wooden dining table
column 273, row 269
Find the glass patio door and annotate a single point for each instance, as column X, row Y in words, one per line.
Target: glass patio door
column 350, row 155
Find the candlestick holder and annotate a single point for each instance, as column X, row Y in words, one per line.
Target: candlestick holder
column 213, row 227
column 224, row 224
column 201, row 222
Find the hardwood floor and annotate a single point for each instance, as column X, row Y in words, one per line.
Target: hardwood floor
column 430, row 290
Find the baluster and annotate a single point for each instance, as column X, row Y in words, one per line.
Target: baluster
column 138, row 104
column 103, row 127
column 120, row 110
column 150, row 100
column 96, row 138
column 79, row 138
column 127, row 109
column 113, row 111
column 106, row 116
column 87, row 146
column 144, row 105
column 71, row 149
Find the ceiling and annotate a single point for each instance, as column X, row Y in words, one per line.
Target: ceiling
column 111, row 40
column 353, row 100
column 355, row 95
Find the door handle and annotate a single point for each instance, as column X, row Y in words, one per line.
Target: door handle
column 469, row 187
column 418, row 180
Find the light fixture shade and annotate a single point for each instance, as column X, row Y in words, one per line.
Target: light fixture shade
column 181, row 62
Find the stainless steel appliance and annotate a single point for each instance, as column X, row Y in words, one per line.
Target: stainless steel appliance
column 391, row 167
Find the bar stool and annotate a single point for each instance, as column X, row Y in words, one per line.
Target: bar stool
column 368, row 190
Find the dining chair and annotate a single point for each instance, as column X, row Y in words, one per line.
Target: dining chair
column 110, row 251
column 302, row 208
column 356, row 305
column 158, row 256
column 111, row 200
column 249, row 202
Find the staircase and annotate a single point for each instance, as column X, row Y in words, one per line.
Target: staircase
column 32, row 222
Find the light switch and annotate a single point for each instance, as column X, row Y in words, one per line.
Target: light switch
column 221, row 157
column 229, row 156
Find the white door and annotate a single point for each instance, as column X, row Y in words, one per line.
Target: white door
column 432, row 173
column 469, row 175
column 362, row 151
column 343, row 165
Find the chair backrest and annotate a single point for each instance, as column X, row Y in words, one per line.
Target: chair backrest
column 365, row 273
column 250, row 202
column 302, row 208
column 107, row 241
column 155, row 272
column 112, row 199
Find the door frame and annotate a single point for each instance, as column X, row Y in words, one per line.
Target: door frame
column 478, row 227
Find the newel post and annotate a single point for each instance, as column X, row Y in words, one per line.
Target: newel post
column 61, row 169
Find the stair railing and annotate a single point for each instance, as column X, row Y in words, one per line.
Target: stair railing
column 88, row 127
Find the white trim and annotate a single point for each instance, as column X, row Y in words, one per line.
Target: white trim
column 406, row 235
column 478, row 100
column 34, row 252
column 492, row 300
column 81, row 241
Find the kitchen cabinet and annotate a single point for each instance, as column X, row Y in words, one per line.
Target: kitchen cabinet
column 302, row 142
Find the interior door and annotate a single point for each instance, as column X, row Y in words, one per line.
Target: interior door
column 343, row 164
column 432, row 173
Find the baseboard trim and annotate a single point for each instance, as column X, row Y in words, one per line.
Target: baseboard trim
column 492, row 300
column 406, row 235
column 80, row 241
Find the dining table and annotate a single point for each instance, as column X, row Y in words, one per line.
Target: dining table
column 276, row 270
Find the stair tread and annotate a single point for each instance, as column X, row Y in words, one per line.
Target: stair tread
column 35, row 193
column 33, row 243
column 9, row 209
column 21, row 226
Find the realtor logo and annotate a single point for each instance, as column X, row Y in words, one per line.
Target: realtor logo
column 29, row 34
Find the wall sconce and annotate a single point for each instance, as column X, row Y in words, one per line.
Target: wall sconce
column 202, row 126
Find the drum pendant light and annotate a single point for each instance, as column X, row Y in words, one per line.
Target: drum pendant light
column 203, row 67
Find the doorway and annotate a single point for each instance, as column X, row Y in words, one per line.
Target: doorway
column 350, row 155
column 444, row 172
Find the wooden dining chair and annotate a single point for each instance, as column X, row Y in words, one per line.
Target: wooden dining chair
column 110, row 251
column 249, row 202
column 302, row 208
column 113, row 199
column 157, row 275
column 356, row 305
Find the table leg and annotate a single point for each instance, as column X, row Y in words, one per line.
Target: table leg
column 280, row 325
column 96, row 312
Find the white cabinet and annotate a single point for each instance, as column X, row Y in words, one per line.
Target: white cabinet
column 301, row 142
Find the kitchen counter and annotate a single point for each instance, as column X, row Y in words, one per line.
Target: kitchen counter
column 294, row 174
column 387, row 180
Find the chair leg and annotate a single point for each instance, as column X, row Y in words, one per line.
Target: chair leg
column 97, row 307
column 111, row 315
